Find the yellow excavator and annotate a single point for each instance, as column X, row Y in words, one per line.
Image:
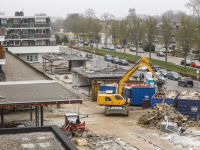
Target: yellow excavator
column 116, row 103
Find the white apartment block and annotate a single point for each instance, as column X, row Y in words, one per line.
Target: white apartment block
column 29, row 37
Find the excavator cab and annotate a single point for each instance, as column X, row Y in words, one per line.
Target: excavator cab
column 110, row 99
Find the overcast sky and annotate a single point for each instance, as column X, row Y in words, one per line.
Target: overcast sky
column 119, row 8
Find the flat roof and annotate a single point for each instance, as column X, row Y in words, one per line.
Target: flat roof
column 65, row 57
column 2, row 16
column 46, row 137
column 35, row 94
column 103, row 72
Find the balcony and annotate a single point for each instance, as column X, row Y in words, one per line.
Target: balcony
column 42, row 25
column 42, row 35
column 27, row 25
column 28, row 36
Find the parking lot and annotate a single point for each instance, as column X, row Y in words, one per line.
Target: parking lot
column 100, row 62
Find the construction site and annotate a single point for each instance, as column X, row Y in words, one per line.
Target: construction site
column 72, row 102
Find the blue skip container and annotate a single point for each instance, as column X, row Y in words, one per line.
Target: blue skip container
column 157, row 99
column 140, row 93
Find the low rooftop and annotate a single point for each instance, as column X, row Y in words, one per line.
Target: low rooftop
column 64, row 57
column 31, row 93
column 103, row 72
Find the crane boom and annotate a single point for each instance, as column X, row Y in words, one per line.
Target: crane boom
column 137, row 65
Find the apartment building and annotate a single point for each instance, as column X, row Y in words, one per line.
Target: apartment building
column 29, row 37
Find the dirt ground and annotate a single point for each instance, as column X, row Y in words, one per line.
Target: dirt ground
column 123, row 127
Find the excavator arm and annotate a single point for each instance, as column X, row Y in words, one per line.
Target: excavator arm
column 137, row 65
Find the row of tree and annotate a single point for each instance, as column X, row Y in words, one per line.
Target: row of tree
column 137, row 30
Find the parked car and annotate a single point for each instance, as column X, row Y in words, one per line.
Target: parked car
column 115, row 60
column 143, row 68
column 118, row 46
column 104, row 47
column 88, row 55
column 123, row 62
column 111, row 48
column 195, row 64
column 160, row 54
column 173, row 75
column 133, row 49
column 185, row 81
column 140, row 50
column 163, row 72
column 107, row 57
column 187, row 62
column 86, row 43
column 156, row 68
column 124, row 67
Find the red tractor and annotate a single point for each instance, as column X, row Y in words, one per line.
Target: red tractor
column 73, row 125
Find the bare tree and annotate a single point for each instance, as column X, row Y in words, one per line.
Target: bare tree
column 96, row 27
column 89, row 13
column 123, row 34
column 69, row 20
column 137, row 30
column 114, row 32
column 166, row 30
column 186, row 35
column 151, row 31
column 194, row 5
column 173, row 16
column 105, row 28
column 57, row 25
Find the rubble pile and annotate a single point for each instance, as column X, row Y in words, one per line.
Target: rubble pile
column 99, row 142
column 164, row 112
column 11, row 124
column 190, row 95
column 168, row 94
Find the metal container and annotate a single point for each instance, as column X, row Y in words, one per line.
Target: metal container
column 97, row 82
column 145, row 103
column 140, row 93
column 170, row 98
column 189, row 104
column 110, row 87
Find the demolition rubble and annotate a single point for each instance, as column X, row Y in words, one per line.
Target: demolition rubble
column 190, row 95
column 171, row 94
column 164, row 112
column 99, row 142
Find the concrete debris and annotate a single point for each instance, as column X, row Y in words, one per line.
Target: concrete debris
column 37, row 140
column 164, row 112
column 190, row 95
column 168, row 127
column 99, row 142
column 171, row 94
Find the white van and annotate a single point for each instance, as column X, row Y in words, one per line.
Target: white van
column 150, row 76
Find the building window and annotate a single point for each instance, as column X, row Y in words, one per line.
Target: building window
column 24, row 43
column 17, row 43
column 16, row 21
column 44, row 31
column 40, row 31
column 40, row 42
column 32, row 57
column 40, row 20
column 4, row 43
column 16, row 32
column 3, row 21
column 25, row 21
column 25, row 31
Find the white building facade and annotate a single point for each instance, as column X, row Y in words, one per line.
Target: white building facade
column 28, row 36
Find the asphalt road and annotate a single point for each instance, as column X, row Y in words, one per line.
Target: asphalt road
column 99, row 61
